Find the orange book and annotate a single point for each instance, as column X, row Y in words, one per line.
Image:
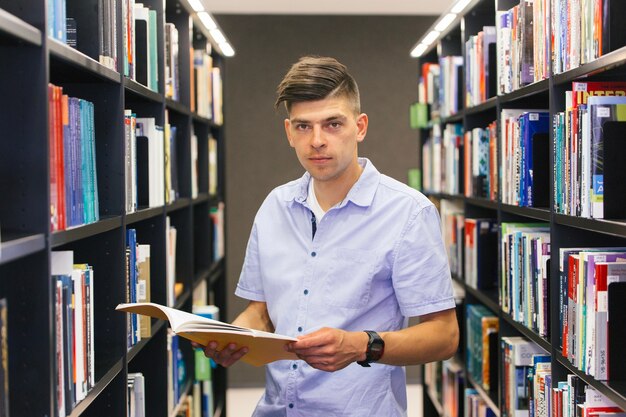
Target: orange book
column 490, row 325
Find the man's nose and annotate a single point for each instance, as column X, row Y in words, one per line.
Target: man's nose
column 317, row 140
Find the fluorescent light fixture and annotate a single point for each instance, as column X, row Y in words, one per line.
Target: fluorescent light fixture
column 419, row 50
column 207, row 21
column 445, row 22
column 196, row 5
column 227, row 50
column 460, row 6
column 431, row 37
column 218, row 36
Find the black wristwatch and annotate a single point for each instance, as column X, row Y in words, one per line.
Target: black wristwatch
column 375, row 348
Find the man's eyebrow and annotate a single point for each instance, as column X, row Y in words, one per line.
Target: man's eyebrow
column 327, row 119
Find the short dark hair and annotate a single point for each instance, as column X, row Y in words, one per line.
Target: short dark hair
column 317, row 78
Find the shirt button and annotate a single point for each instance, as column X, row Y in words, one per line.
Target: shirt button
column 294, row 366
column 313, row 254
column 290, row 405
column 306, row 292
column 299, row 329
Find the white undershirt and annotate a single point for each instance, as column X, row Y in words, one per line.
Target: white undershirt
column 314, row 205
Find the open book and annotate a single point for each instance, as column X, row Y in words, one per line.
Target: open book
column 263, row 347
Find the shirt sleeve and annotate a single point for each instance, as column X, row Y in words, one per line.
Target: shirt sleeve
column 250, row 285
column 421, row 274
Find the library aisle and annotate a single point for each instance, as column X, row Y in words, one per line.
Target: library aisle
column 240, row 402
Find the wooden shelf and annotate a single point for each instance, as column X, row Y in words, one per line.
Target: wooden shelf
column 76, row 59
column 18, row 246
column 489, row 104
column 141, row 90
column 77, row 233
column 178, row 204
column 33, row 62
column 613, row 390
column 14, row 28
column 82, row 406
column 565, row 231
column 528, row 333
column 482, row 202
column 484, row 395
column 609, row 227
column 539, row 87
column 530, row 212
column 488, row 298
column 143, row 214
column 602, row 64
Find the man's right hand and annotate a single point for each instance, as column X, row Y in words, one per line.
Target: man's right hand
column 225, row 357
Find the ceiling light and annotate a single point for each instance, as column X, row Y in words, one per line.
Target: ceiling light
column 196, row 5
column 217, row 36
column 431, row 37
column 207, row 21
column 227, row 50
column 419, row 50
column 445, row 22
column 460, row 6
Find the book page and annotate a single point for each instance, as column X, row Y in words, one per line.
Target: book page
column 179, row 320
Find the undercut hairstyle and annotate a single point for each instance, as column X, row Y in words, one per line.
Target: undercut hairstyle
column 316, row 78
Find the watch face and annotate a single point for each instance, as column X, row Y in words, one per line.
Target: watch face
column 375, row 347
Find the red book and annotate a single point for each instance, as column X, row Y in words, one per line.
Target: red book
column 54, row 210
column 582, row 90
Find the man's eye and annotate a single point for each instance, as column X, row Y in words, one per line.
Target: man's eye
column 302, row 126
column 335, row 125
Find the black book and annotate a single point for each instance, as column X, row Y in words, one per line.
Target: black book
column 141, row 51
column 614, row 184
column 143, row 172
column 616, row 336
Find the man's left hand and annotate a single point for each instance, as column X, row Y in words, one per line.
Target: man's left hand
column 330, row 349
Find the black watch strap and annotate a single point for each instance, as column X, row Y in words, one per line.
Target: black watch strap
column 375, row 348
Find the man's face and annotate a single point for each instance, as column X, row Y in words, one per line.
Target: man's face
column 325, row 134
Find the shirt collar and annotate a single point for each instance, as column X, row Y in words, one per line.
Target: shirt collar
column 361, row 193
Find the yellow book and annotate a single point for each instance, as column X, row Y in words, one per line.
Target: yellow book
column 263, row 347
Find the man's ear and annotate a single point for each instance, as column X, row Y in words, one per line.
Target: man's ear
column 361, row 124
column 288, row 132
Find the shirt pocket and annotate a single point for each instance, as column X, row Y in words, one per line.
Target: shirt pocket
column 348, row 283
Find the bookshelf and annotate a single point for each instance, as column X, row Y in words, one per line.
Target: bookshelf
column 30, row 60
column 547, row 94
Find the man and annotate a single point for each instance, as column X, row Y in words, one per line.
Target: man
column 340, row 258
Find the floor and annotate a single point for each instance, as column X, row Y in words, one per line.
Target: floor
column 240, row 402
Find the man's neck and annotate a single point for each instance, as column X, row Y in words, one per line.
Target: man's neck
column 331, row 193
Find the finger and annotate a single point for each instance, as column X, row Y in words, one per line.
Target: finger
column 210, row 350
column 229, row 355
column 235, row 356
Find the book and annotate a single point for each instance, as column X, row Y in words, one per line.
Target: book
column 616, row 318
column 602, row 110
column 264, row 347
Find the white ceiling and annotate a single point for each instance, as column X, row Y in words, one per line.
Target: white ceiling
column 329, row 7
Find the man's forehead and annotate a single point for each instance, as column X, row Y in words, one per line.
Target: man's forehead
column 320, row 110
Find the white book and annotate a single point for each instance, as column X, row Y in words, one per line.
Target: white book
column 79, row 335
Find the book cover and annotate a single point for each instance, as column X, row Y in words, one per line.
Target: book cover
column 616, row 318
column 602, row 110
column 534, row 128
column 264, row 347
column 614, row 197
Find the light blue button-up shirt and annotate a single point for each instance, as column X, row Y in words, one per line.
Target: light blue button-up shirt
column 377, row 259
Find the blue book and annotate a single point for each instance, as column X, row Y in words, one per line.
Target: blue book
column 131, row 241
column 534, row 127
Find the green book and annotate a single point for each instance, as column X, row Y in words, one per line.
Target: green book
column 415, row 178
